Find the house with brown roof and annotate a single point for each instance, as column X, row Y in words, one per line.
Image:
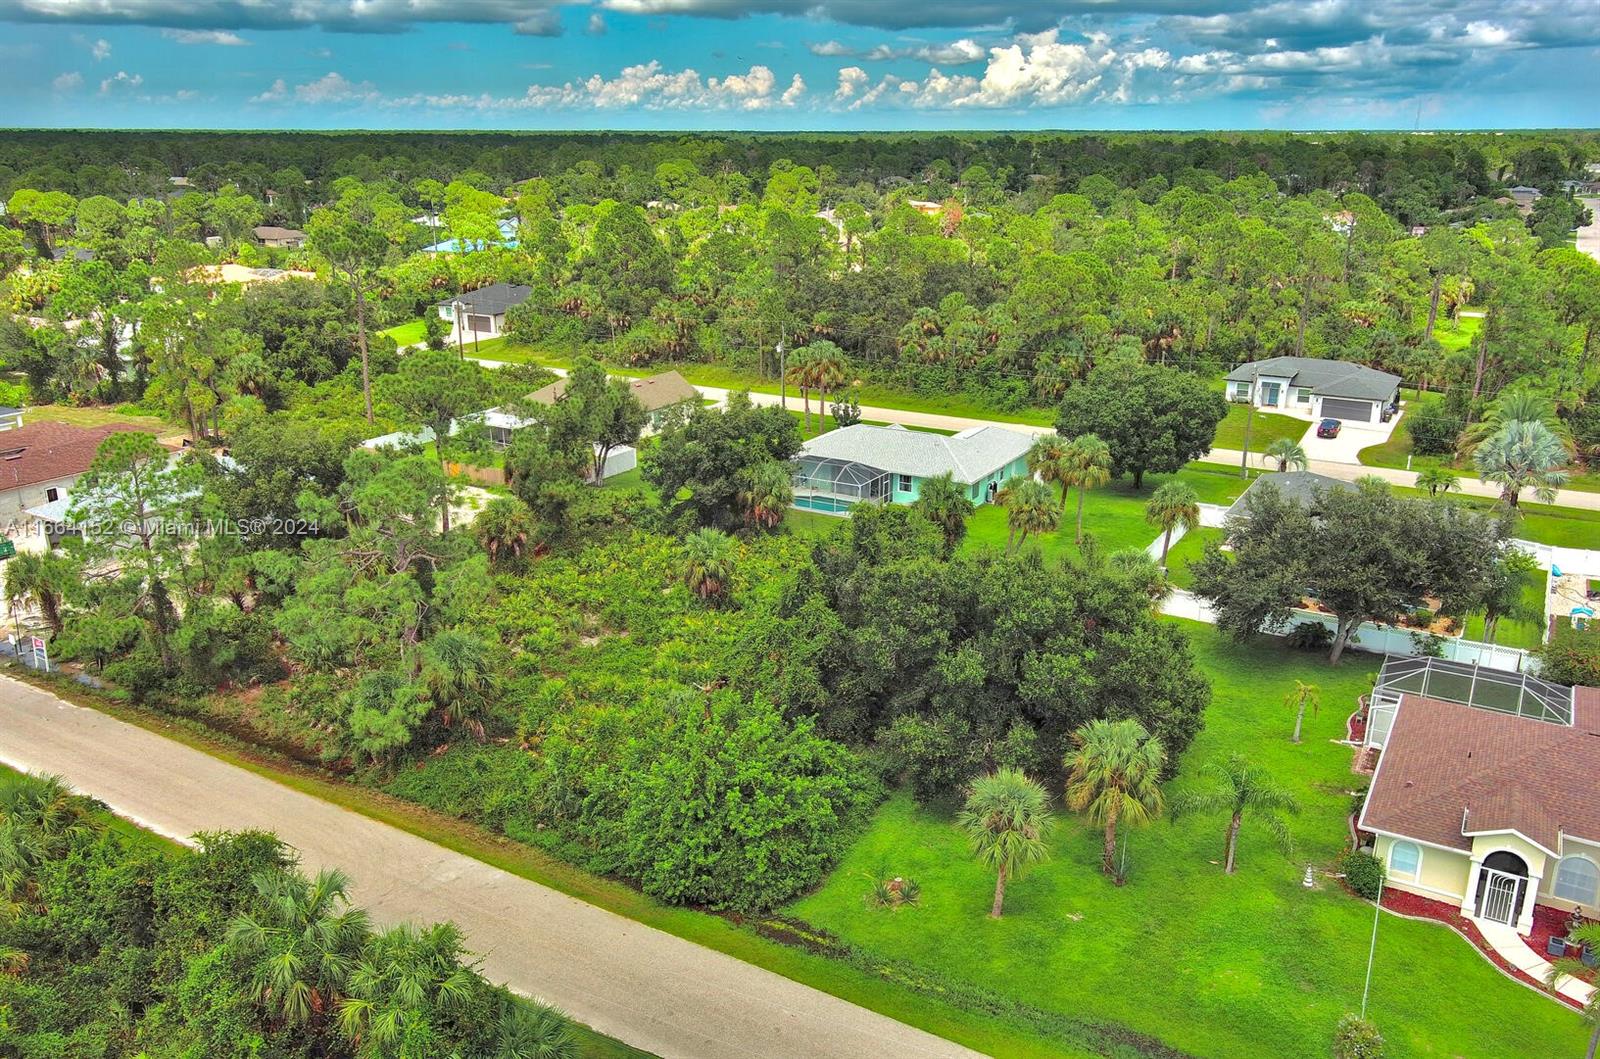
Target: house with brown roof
column 658, row 394
column 40, row 463
column 275, row 235
column 1485, row 793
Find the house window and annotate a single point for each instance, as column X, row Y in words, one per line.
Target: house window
column 1404, row 859
column 1302, row 395
column 480, row 323
column 447, row 311
column 52, row 495
column 1577, row 880
column 1239, row 391
column 905, row 483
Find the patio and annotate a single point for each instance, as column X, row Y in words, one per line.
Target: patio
column 833, row 486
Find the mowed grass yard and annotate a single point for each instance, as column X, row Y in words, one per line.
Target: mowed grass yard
column 1113, row 514
column 1245, row 965
column 1265, row 428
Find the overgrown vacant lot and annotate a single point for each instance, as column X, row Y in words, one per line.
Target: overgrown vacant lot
column 1247, row 965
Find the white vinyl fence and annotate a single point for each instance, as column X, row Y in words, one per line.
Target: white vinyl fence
column 1391, row 640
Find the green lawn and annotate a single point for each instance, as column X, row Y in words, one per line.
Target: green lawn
column 822, row 422
column 1456, row 335
column 1265, row 428
column 1247, row 965
column 95, row 416
column 408, row 333
column 1188, row 549
column 1113, row 514
column 1517, row 633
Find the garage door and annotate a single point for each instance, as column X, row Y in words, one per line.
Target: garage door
column 1343, row 408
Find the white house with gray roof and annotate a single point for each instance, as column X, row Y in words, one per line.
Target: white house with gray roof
column 1316, row 389
column 889, row 464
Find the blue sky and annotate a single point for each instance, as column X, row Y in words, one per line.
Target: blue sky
column 801, row 64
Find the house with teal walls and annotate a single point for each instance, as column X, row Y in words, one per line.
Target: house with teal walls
column 888, row 464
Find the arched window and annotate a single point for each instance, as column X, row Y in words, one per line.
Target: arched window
column 1404, row 859
column 1578, row 880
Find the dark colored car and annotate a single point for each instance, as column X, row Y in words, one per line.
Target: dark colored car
column 1328, row 428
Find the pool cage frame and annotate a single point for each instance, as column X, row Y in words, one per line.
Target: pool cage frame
column 1480, row 687
column 846, row 480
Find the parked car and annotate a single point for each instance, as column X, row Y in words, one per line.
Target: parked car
column 1329, row 428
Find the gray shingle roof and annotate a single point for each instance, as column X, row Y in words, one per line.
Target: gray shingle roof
column 491, row 300
column 968, row 456
column 1327, row 378
column 1293, row 485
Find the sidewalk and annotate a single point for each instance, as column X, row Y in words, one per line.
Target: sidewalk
column 1509, row 945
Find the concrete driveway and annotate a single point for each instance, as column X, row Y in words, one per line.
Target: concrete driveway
column 1589, row 235
column 1353, row 437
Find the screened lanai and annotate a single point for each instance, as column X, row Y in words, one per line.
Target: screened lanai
column 1521, row 694
column 824, row 484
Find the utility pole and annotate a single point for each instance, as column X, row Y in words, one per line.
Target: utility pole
column 783, row 376
column 455, row 308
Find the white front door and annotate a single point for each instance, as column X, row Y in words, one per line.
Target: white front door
column 1499, row 904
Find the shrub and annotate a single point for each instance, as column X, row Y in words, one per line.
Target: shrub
column 742, row 810
column 1433, row 429
column 1310, row 636
column 1572, row 656
column 1363, row 873
column 1356, row 1038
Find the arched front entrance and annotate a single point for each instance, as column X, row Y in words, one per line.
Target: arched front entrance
column 1501, row 886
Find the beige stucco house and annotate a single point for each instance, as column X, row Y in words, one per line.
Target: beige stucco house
column 1485, row 792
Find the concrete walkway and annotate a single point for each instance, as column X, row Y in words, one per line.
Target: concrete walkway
column 1589, row 234
column 646, row 987
column 1508, row 944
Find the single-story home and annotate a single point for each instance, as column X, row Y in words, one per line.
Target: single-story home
column 889, row 464
column 1323, row 389
column 1299, row 486
column 508, row 239
column 1484, row 792
column 273, row 235
column 39, row 465
column 478, row 314
column 657, row 394
column 77, row 254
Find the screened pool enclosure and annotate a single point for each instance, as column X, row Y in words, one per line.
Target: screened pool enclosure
column 825, row 484
column 1480, row 687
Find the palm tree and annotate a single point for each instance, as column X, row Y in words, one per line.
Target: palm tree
column 1518, row 406
column 820, row 367
column 1588, row 936
column 1113, row 775
column 1030, row 508
column 506, row 528
column 40, row 817
column 303, row 945
column 42, row 578
column 1087, row 465
column 1523, row 455
column 458, row 671
column 1045, row 462
column 1286, row 452
column 405, row 980
column 533, row 1031
column 1005, row 820
column 1173, row 504
column 765, row 491
column 1436, row 480
column 944, row 502
column 1302, row 696
column 708, row 564
column 1245, row 788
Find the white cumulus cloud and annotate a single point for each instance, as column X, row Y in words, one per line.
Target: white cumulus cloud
column 221, row 37
column 121, row 81
column 67, row 82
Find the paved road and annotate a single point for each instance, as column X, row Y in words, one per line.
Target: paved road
column 643, row 986
column 1589, row 235
column 1346, row 471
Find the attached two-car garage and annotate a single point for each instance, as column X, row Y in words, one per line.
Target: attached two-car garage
column 1348, row 410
